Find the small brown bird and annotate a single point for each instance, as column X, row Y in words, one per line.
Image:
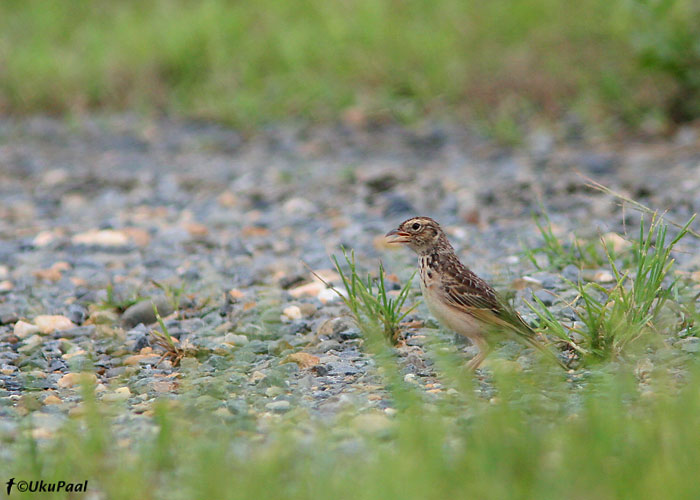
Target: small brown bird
column 457, row 297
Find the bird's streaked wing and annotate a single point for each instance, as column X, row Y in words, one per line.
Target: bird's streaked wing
column 469, row 294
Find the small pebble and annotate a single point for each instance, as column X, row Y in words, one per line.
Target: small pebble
column 52, row 400
column 23, row 329
column 142, row 312
column 103, row 237
column 121, row 394
column 278, row 406
column 690, row 344
column 616, row 242
column 49, row 324
column 31, row 344
column 72, row 379
column 303, row 359
column 274, row 391
column 545, row 297
column 43, row 239
column 327, row 295
column 526, row 282
column 235, row 339
column 603, row 277
column 292, row 312
column 307, row 309
column 308, row 290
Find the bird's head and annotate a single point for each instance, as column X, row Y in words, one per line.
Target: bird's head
column 421, row 234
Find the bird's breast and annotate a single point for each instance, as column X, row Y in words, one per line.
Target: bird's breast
column 450, row 317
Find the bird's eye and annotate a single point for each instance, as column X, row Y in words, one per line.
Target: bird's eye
column 416, row 226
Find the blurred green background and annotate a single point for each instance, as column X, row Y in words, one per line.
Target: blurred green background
column 629, row 64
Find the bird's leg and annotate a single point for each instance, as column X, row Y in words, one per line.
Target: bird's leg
column 484, row 348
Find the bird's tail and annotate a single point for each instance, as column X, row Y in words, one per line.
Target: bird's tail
column 532, row 341
column 529, row 337
column 524, row 333
column 508, row 319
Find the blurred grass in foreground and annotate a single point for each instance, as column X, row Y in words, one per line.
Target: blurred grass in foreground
column 614, row 440
column 247, row 63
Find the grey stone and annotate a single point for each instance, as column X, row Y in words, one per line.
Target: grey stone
column 381, row 180
column 142, row 312
column 77, row 313
column 328, row 345
column 397, row 205
column 571, row 273
column 141, row 342
column 280, row 406
column 207, row 402
column 545, row 296
column 235, row 339
column 258, row 346
column 690, row 344
column 245, row 356
column 288, row 369
column 321, row 370
column 344, row 329
column 237, row 407
column 80, row 331
column 218, row 362
column 598, row 163
column 342, row 368
column 8, row 314
column 115, row 371
column 549, row 281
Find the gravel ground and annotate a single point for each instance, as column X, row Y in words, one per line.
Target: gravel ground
column 99, row 214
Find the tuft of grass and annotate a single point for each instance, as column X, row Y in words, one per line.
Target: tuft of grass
column 173, row 351
column 369, row 302
column 172, row 293
column 117, row 303
column 617, row 315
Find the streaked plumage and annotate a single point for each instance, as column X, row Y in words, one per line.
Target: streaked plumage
column 457, row 297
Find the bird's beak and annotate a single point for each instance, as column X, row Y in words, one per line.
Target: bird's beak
column 397, row 236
